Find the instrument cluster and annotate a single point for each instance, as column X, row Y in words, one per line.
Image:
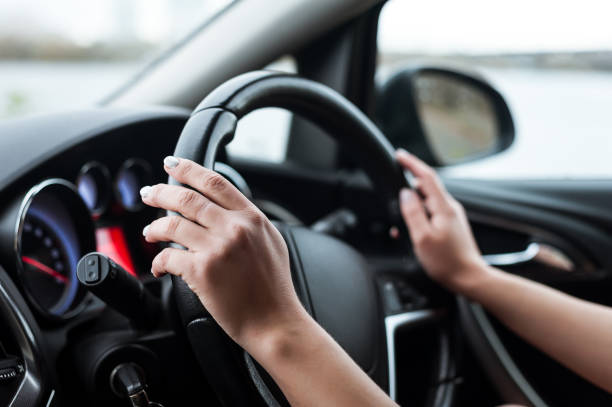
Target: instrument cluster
column 57, row 222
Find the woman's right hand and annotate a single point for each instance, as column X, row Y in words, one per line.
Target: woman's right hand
column 439, row 229
column 237, row 261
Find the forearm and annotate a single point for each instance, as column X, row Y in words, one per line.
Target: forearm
column 576, row 333
column 312, row 369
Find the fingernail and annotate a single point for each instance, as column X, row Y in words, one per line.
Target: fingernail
column 414, row 183
column 145, row 230
column 402, row 152
column 144, row 191
column 171, row 161
column 394, row 232
column 406, row 195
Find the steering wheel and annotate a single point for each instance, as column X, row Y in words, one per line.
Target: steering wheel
column 321, row 266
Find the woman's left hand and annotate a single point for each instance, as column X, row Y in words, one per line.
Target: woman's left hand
column 236, row 261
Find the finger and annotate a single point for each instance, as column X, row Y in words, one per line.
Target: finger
column 209, row 183
column 427, row 181
column 173, row 261
column 414, row 214
column 179, row 230
column 189, row 203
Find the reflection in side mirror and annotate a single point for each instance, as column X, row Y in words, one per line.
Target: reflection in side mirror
column 458, row 120
column 443, row 116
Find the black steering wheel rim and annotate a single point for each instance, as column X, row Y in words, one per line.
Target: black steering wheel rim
column 213, row 124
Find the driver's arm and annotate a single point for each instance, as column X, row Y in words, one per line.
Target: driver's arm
column 576, row 333
column 238, row 265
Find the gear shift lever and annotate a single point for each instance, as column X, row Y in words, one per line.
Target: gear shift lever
column 121, row 291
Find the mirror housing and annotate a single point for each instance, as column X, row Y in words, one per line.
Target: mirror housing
column 444, row 116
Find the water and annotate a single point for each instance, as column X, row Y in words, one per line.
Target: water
column 562, row 117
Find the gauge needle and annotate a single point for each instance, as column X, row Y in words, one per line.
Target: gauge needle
column 45, row 269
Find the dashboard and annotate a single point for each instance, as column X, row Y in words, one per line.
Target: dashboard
column 85, row 199
column 72, row 187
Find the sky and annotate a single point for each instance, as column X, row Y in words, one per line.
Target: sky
column 435, row 26
column 88, row 21
column 490, row 26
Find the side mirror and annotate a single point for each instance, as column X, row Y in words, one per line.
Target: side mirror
column 444, row 116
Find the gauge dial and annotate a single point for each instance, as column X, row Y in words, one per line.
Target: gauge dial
column 93, row 184
column 46, row 267
column 54, row 229
column 133, row 175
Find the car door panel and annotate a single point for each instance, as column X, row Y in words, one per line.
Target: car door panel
column 574, row 217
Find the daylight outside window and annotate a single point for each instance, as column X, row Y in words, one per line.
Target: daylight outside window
column 63, row 54
column 553, row 65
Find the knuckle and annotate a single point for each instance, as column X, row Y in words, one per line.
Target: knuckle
column 239, row 233
column 187, row 198
column 162, row 259
column 156, row 263
column 429, row 173
column 455, row 207
column 256, row 218
column 214, row 182
column 172, row 225
column 184, row 170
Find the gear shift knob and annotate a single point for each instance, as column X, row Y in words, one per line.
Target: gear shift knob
column 121, row 291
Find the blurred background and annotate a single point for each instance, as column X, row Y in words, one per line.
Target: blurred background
column 67, row 53
column 552, row 61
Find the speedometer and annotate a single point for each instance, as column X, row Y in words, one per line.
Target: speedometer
column 53, row 229
column 46, row 266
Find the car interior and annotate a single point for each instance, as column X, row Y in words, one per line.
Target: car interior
column 86, row 330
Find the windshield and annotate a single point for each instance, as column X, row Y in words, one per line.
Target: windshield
column 62, row 54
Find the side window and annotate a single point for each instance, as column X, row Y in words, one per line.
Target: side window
column 263, row 134
column 551, row 60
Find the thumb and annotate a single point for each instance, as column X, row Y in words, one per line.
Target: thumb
column 414, row 214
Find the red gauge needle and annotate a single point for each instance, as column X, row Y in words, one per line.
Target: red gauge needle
column 45, row 269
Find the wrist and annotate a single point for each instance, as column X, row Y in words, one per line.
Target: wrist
column 284, row 341
column 474, row 278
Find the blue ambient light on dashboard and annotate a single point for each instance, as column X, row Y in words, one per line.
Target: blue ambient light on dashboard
column 128, row 185
column 88, row 190
column 66, row 234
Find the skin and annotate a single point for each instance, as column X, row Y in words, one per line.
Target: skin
column 238, row 265
column 541, row 315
